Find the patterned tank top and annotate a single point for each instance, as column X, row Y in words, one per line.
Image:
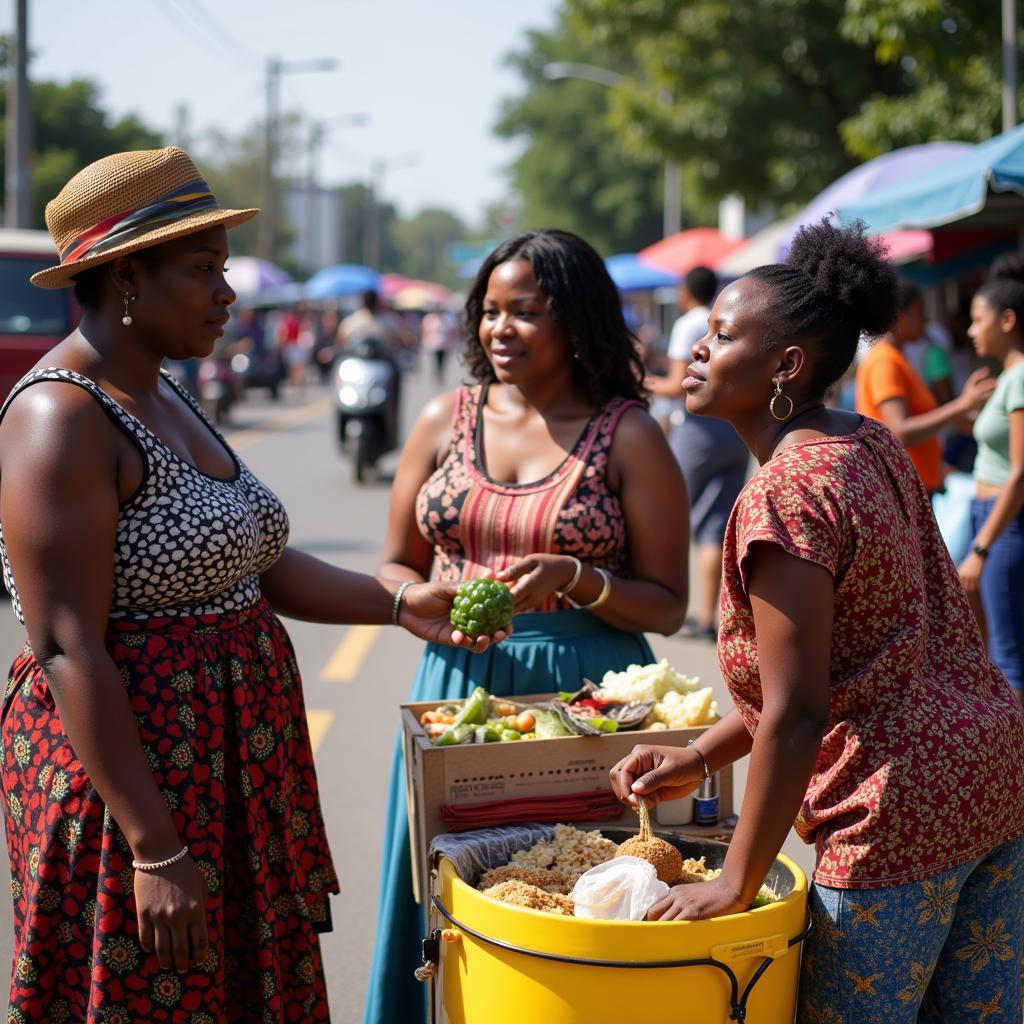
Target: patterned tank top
column 187, row 543
column 474, row 522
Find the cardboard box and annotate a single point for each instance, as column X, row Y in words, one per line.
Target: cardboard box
column 477, row 772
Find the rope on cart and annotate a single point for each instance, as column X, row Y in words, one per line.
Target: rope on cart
column 738, row 1002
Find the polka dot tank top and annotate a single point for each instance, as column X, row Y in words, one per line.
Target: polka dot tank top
column 187, row 543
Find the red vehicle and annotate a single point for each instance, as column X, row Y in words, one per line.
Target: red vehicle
column 32, row 320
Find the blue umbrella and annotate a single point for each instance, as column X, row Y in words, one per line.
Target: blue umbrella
column 984, row 187
column 630, row 275
column 340, row 280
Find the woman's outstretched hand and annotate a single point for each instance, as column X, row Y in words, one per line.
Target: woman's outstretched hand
column 536, row 577
column 696, row 901
column 656, row 774
column 425, row 612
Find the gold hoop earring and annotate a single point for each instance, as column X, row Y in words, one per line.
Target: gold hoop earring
column 771, row 405
column 126, row 319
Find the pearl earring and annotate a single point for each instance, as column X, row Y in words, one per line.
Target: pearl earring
column 126, row 319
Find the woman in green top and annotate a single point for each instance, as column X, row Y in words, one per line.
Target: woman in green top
column 994, row 567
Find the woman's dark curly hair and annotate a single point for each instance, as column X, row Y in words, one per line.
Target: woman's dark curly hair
column 1004, row 288
column 582, row 299
column 835, row 286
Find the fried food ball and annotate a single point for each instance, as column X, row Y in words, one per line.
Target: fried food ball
column 667, row 860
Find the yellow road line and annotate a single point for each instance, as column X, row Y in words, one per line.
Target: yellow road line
column 244, row 438
column 349, row 655
column 318, row 722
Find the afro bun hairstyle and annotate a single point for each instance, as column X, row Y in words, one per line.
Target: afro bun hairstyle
column 835, row 286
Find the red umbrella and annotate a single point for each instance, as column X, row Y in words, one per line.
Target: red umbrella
column 678, row 254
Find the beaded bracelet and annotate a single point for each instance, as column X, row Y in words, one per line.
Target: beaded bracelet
column 397, row 604
column 577, row 573
column 707, row 771
column 602, row 597
column 156, row 865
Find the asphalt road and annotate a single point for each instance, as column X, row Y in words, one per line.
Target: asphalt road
column 354, row 677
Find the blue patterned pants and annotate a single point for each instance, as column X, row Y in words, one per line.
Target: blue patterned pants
column 946, row 949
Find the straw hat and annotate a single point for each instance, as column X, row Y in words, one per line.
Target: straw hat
column 126, row 202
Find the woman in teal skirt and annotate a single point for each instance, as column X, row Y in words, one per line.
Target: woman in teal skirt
column 548, row 473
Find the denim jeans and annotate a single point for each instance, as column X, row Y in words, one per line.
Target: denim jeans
column 1002, row 593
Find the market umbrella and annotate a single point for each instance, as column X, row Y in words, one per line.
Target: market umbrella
column 340, row 280
column 982, row 187
column 889, row 169
column 421, row 295
column 391, row 284
column 249, row 275
column 630, row 275
column 756, row 251
column 680, row 253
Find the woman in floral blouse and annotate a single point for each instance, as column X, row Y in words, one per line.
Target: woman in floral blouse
column 863, row 693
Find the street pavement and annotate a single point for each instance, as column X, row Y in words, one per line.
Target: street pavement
column 354, row 677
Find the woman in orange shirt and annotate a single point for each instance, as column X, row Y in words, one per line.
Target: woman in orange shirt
column 889, row 389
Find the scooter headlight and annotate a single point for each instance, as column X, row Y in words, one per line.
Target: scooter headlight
column 348, row 395
column 377, row 395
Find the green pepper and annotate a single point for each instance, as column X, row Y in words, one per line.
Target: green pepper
column 455, row 734
column 476, row 709
column 486, row 734
column 508, row 735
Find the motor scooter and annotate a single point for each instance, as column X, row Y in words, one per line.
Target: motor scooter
column 221, row 382
column 366, row 385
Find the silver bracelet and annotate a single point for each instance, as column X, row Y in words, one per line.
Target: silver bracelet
column 397, row 603
column 156, row 865
column 602, row 597
column 577, row 573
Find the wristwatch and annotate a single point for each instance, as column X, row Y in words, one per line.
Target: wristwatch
column 980, row 550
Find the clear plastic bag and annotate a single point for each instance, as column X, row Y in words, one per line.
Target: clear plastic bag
column 622, row 889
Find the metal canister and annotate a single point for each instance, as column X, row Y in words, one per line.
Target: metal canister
column 705, row 802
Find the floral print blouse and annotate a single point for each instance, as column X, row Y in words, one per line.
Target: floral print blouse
column 922, row 765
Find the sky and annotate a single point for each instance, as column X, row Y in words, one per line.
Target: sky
column 429, row 76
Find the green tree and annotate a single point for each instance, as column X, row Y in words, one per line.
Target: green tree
column 421, row 241
column 70, row 129
column 576, row 172
column 355, row 201
column 775, row 99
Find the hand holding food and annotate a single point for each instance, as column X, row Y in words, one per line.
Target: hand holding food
column 426, row 610
column 657, row 774
column 481, row 607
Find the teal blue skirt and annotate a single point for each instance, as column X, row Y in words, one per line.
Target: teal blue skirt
column 547, row 651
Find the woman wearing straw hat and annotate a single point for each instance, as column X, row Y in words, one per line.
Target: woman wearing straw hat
column 168, row 857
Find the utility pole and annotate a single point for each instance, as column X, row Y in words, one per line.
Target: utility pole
column 18, row 172
column 268, row 220
column 1009, row 64
column 371, row 236
column 268, row 214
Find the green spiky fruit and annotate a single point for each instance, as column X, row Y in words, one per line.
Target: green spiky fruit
column 482, row 607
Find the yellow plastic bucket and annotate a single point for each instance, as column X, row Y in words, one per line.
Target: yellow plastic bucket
column 501, row 964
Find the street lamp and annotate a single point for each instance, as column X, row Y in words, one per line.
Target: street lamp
column 371, row 238
column 275, row 68
column 672, row 216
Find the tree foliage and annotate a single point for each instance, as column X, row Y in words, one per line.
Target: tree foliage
column 576, row 172
column 70, row 129
column 421, row 241
column 774, row 99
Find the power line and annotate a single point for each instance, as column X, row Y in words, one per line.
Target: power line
column 204, row 13
column 202, row 39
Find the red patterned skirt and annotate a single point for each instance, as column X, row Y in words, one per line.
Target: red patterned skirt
column 219, row 704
